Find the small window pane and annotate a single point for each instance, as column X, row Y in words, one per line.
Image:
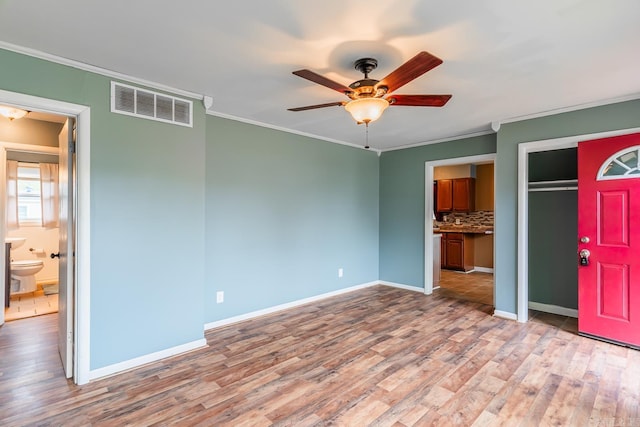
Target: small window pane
column 623, row 164
column 29, row 202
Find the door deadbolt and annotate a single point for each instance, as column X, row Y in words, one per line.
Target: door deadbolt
column 584, row 239
column 584, row 256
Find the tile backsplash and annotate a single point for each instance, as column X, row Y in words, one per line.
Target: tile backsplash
column 478, row 218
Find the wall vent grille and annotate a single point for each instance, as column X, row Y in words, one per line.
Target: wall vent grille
column 147, row 104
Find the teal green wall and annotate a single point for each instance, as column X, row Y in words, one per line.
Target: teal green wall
column 284, row 212
column 402, row 204
column 265, row 216
column 147, row 215
column 622, row 115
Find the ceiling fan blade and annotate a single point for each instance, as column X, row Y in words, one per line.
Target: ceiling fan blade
column 321, row 80
column 413, row 68
column 419, row 100
column 312, row 107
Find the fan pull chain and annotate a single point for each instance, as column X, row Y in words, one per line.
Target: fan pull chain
column 366, row 145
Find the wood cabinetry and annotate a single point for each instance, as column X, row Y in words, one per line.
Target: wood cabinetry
column 457, row 251
column 456, row 195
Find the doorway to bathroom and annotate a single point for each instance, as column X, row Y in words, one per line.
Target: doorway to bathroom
column 73, row 239
column 32, row 216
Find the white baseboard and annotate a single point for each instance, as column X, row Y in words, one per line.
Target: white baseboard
column 483, row 269
column 505, row 315
column 258, row 313
column 401, row 286
column 147, row 358
column 553, row 309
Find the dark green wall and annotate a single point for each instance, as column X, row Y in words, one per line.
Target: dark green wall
column 553, row 231
column 402, row 196
column 283, row 213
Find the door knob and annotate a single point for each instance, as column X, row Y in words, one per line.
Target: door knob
column 55, row 255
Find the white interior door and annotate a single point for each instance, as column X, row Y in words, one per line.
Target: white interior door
column 67, row 256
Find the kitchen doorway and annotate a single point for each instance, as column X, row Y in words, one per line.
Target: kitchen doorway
column 431, row 260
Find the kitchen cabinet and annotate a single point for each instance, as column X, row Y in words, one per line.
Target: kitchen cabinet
column 457, row 251
column 456, row 195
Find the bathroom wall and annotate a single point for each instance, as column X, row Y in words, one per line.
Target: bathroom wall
column 38, row 238
column 32, row 132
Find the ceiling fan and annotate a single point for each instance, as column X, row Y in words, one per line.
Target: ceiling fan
column 370, row 97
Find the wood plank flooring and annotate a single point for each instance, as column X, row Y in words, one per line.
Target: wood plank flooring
column 378, row 356
column 474, row 286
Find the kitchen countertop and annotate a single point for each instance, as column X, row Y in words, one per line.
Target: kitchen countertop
column 473, row 229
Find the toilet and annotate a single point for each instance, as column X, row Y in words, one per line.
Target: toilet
column 23, row 275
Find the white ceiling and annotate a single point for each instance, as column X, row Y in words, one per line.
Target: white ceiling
column 502, row 58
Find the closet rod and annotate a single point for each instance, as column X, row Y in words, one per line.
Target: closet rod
column 553, row 189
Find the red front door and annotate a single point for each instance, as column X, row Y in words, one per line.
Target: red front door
column 609, row 228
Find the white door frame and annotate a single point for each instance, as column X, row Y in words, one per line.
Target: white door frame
column 523, row 203
column 81, row 312
column 428, row 207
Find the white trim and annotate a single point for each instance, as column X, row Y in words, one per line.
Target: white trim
column 553, row 309
column 401, row 286
column 437, row 141
column 428, row 207
column 524, row 149
column 292, row 304
column 568, row 109
column 82, row 348
column 483, row 269
column 504, row 315
column 97, row 70
column 147, row 358
column 287, row 130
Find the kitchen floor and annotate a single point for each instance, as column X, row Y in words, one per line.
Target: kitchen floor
column 31, row 304
column 475, row 286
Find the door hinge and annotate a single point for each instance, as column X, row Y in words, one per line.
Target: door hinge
column 69, row 337
column 72, row 147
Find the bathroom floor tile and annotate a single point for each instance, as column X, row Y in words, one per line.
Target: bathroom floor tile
column 30, row 305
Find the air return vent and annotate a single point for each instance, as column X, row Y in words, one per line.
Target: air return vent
column 133, row 101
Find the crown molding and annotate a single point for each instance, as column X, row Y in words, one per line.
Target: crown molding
column 287, row 130
column 437, row 141
column 97, row 70
column 570, row 109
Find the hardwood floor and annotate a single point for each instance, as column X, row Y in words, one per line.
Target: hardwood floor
column 475, row 286
column 378, row 356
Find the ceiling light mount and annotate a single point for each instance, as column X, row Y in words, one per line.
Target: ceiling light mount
column 12, row 113
column 366, row 65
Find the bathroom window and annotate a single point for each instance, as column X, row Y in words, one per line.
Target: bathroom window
column 29, row 201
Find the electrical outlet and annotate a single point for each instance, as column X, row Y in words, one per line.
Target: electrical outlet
column 219, row 297
column 340, row 272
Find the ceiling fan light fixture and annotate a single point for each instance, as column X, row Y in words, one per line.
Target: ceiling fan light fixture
column 12, row 113
column 366, row 110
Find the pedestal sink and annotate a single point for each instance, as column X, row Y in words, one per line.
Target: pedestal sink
column 16, row 242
